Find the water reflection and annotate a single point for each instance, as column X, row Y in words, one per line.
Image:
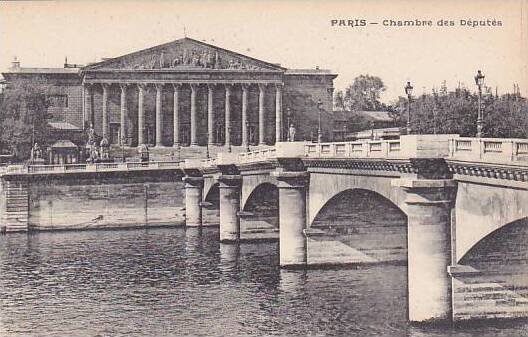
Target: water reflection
column 183, row 282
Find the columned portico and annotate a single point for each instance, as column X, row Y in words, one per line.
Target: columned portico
column 199, row 105
column 220, row 98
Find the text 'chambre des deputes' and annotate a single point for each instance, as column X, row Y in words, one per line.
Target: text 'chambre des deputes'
column 468, row 22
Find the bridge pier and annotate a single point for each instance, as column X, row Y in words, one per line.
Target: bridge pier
column 292, row 218
column 428, row 203
column 193, row 201
column 229, row 186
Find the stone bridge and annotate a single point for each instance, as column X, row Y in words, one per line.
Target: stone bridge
column 453, row 209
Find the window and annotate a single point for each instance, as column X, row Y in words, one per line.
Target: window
column 58, row 101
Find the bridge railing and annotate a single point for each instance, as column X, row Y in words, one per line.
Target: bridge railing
column 366, row 149
column 492, row 150
column 97, row 167
column 257, row 155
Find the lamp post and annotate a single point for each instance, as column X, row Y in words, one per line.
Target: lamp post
column 247, row 134
column 408, row 91
column 319, row 134
column 344, row 131
column 479, row 80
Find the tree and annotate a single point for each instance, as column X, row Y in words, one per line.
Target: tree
column 456, row 112
column 363, row 94
column 23, row 118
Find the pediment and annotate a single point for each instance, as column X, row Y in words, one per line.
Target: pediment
column 183, row 54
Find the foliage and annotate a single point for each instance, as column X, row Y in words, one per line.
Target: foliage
column 456, row 112
column 23, row 118
column 362, row 95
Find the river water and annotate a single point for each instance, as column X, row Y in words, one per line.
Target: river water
column 182, row 282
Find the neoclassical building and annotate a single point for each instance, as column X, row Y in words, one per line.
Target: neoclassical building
column 186, row 93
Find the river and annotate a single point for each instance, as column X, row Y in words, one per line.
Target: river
column 172, row 281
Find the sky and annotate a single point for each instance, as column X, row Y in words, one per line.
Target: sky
column 296, row 34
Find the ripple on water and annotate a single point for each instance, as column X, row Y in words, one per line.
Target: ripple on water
column 173, row 282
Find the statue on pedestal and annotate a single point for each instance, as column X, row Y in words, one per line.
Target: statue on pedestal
column 36, row 152
column 144, row 153
column 104, row 147
column 291, row 133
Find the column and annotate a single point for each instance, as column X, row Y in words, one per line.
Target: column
column 194, row 126
column 105, row 110
column 210, row 116
column 88, row 111
column 193, row 200
column 428, row 204
column 227, row 114
column 229, row 186
column 262, row 117
column 141, row 114
column 123, row 114
column 176, row 114
column 292, row 219
column 278, row 113
column 245, row 139
column 159, row 126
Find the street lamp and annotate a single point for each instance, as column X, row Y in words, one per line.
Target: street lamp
column 479, row 80
column 408, row 91
column 344, row 131
column 320, row 107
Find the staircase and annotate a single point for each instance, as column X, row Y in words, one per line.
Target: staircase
column 14, row 206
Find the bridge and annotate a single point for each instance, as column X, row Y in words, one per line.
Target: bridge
column 455, row 210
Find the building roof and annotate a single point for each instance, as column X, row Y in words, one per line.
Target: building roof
column 376, row 116
column 124, row 61
column 24, row 70
column 63, row 144
column 64, row 126
column 377, row 133
column 309, row 72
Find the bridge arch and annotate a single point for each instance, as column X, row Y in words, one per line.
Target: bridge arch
column 250, row 183
column 366, row 221
column 323, row 187
column 209, row 184
column 212, row 195
column 505, row 244
column 481, row 210
column 263, row 204
column 497, row 268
